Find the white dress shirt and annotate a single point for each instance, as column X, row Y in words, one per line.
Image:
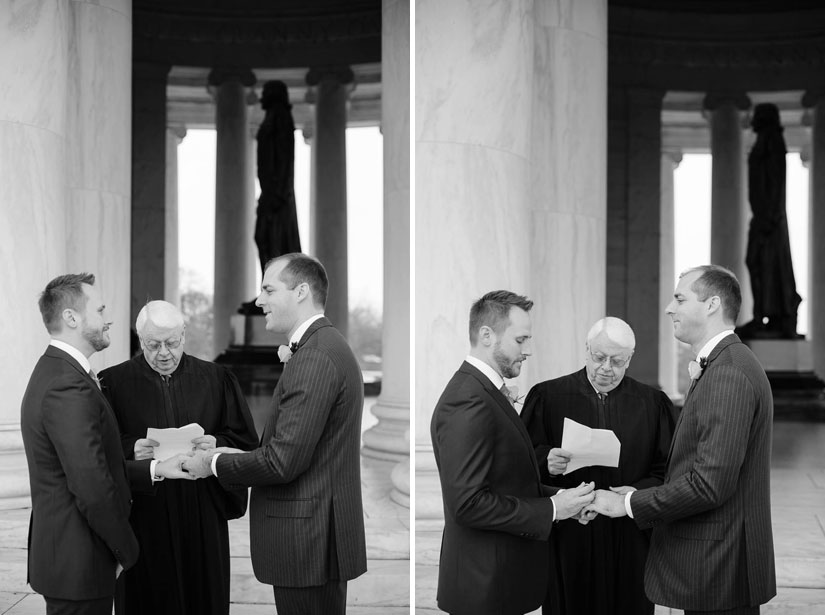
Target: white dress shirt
column 498, row 382
column 293, row 339
column 84, row 363
column 703, row 353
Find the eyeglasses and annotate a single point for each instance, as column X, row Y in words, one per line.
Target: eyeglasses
column 602, row 360
column 154, row 345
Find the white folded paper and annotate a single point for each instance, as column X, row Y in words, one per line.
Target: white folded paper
column 174, row 440
column 589, row 447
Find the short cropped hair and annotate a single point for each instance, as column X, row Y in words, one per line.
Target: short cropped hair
column 716, row 280
column 65, row 291
column 493, row 310
column 616, row 329
column 300, row 269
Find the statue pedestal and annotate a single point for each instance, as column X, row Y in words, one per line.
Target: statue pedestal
column 783, row 355
column 798, row 394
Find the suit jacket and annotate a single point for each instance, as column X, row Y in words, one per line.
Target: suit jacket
column 79, row 527
column 305, row 512
column 712, row 546
column 497, row 516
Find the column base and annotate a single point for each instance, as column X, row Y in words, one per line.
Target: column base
column 429, row 508
column 14, row 473
column 400, row 477
column 386, row 440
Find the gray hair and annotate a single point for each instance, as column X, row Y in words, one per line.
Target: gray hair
column 160, row 313
column 616, row 329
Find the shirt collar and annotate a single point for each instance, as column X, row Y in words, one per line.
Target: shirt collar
column 73, row 353
column 712, row 342
column 485, row 369
column 299, row 332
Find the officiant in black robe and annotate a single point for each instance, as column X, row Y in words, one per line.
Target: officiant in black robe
column 598, row 568
column 183, row 567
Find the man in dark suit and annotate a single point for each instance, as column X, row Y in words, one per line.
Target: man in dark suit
column 497, row 514
column 712, row 546
column 306, row 516
column 79, row 535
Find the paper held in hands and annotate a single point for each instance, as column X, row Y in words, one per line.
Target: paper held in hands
column 589, row 447
column 174, row 440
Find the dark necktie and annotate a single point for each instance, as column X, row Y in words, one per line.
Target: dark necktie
column 602, row 402
column 506, row 392
column 94, row 377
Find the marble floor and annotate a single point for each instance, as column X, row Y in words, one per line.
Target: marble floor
column 383, row 590
column 798, row 509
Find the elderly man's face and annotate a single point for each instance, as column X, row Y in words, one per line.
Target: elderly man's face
column 162, row 347
column 606, row 362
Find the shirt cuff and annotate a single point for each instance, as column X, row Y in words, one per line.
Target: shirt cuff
column 152, row 467
column 214, row 464
column 554, row 504
column 627, row 504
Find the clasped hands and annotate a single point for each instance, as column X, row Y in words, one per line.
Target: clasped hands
column 196, row 464
column 584, row 503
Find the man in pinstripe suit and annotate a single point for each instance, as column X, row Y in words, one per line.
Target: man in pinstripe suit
column 712, row 546
column 306, row 516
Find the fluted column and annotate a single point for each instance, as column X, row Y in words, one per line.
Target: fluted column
column 330, row 91
column 503, row 194
column 150, row 188
column 171, row 257
column 634, row 220
column 234, row 201
column 816, row 231
column 65, row 142
column 729, row 200
column 668, row 360
column 33, row 214
column 389, row 439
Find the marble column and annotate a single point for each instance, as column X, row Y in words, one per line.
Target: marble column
column 505, row 198
column 34, row 71
column 816, row 230
column 99, row 140
column 668, row 347
column 389, row 439
column 634, row 221
column 330, row 91
column 149, row 186
column 308, row 132
column 234, row 200
column 729, row 205
column 64, row 199
column 171, row 260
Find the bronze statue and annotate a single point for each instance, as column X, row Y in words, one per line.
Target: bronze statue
column 769, row 251
column 276, row 228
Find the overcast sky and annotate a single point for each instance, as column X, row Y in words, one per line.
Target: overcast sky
column 196, row 206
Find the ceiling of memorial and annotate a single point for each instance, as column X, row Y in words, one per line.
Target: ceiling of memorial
column 257, row 33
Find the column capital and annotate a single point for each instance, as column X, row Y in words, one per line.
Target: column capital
column 813, row 95
column 714, row 100
column 675, row 156
column 224, row 74
column 179, row 130
column 308, row 130
column 339, row 74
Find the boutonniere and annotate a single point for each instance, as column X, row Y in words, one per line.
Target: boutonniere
column 285, row 352
column 695, row 369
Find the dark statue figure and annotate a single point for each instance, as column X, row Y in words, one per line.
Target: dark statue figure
column 769, row 251
column 276, row 227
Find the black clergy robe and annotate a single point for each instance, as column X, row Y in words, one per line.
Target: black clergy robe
column 598, row 569
column 183, row 567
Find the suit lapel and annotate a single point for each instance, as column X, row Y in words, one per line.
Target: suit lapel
column 504, row 406
column 717, row 350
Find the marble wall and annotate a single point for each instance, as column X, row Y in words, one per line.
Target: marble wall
column 510, row 183
column 65, row 133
